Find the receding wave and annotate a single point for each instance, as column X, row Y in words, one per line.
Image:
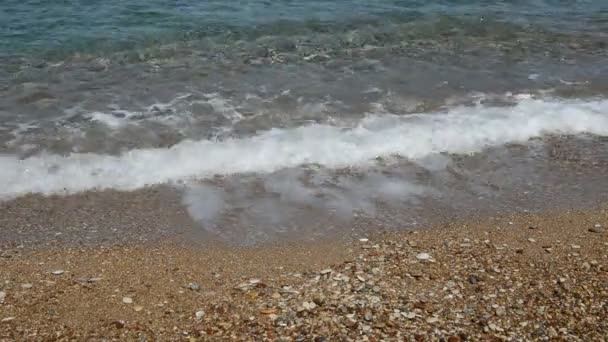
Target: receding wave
column 462, row 129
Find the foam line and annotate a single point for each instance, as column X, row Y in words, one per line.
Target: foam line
column 457, row 130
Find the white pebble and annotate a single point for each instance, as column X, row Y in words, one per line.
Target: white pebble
column 423, row 256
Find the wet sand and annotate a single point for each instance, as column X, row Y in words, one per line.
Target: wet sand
column 517, row 277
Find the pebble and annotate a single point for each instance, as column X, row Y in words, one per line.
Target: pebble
column 363, row 240
column 271, row 311
column 326, row 271
column 596, row 229
column 8, row 319
column 138, row 308
column 423, row 256
column 27, row 286
column 127, row 300
column 531, row 240
column 576, row 247
column 2, row 297
column 309, row 305
column 319, row 300
column 243, row 287
column 408, row 315
column 57, row 272
column 200, row 314
column 431, row 320
column 194, row 287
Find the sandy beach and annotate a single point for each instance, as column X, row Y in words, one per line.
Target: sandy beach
column 511, row 278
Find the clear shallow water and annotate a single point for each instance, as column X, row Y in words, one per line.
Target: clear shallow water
column 333, row 99
column 30, row 26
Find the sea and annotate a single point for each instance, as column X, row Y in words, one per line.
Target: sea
column 255, row 121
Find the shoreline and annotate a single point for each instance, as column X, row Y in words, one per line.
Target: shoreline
column 522, row 276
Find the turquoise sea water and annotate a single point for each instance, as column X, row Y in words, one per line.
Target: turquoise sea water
column 75, row 73
column 60, row 27
column 291, row 116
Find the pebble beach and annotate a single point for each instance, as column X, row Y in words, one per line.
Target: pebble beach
column 522, row 277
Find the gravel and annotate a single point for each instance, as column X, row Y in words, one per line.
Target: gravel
column 481, row 283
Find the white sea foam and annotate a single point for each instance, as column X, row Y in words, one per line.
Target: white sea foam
column 458, row 130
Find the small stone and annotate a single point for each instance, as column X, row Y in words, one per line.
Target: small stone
column 138, row 308
column 363, row 240
column 409, row 315
column 254, row 281
column 271, row 311
column 243, row 287
column 596, row 229
column 2, row 297
column 326, row 271
column 576, row 247
column 118, row 324
column 200, row 314
column 552, row 332
column 423, row 256
column 7, row 319
column 531, row 240
column 127, row 300
column 500, row 311
column 432, row 320
column 319, row 300
column 194, row 287
column 473, row 279
column 57, row 272
column 309, row 305
column 27, row 286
